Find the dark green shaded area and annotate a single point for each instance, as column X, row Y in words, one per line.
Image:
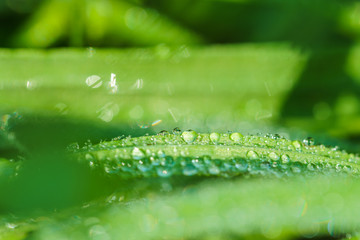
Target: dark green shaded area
column 120, row 23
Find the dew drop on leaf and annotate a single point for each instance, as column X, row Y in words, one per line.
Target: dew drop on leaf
column 236, row 137
column 309, row 141
column 265, row 165
column 347, row 168
column 163, row 172
column 285, row 158
column 252, row 155
column 73, row 147
column 160, row 153
column 276, row 136
column 144, row 165
column 214, row 137
column 311, row 166
column 189, row 136
column 296, row 167
column 93, row 81
column 167, row 161
column 241, row 164
column 163, row 133
column 137, row 153
column 189, row 170
column 297, row 145
column 213, row 170
column 274, row 156
column 176, row 131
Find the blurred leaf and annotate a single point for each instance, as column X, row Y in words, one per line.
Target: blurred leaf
column 317, row 207
column 220, row 88
column 94, row 22
column 223, row 21
column 214, row 88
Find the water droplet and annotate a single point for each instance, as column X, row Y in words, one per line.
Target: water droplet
column 144, row 165
column 163, row 133
column 112, row 85
column 108, row 111
column 137, row 153
column 347, row 168
column 139, row 83
column 127, row 166
column 62, row 108
column 252, row 155
column 351, row 158
column 73, row 147
column 336, row 148
column 213, row 170
column 338, row 167
column 276, row 136
column 189, row 136
column 309, row 141
column 275, row 164
column 155, row 161
column 229, row 166
column 93, row 81
column 163, row 172
column 236, row 137
column 274, row 156
column 167, row 161
column 311, row 166
column 199, row 164
column 30, row 85
column 160, row 154
column 241, row 164
column 184, row 160
column 88, row 144
column 215, row 137
column 110, row 168
column 297, row 145
column 265, row 165
column 285, row 158
column 176, row 131
column 296, row 167
column 189, row 170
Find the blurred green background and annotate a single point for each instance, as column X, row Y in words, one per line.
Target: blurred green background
column 119, row 23
column 73, row 70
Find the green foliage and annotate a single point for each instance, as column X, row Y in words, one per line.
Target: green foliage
column 79, row 154
column 49, row 23
column 114, row 22
column 164, row 169
column 228, row 155
column 257, row 84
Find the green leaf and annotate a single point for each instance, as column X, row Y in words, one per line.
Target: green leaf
column 225, row 155
column 150, row 82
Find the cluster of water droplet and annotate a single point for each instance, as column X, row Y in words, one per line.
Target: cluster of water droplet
column 166, row 166
column 189, row 153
